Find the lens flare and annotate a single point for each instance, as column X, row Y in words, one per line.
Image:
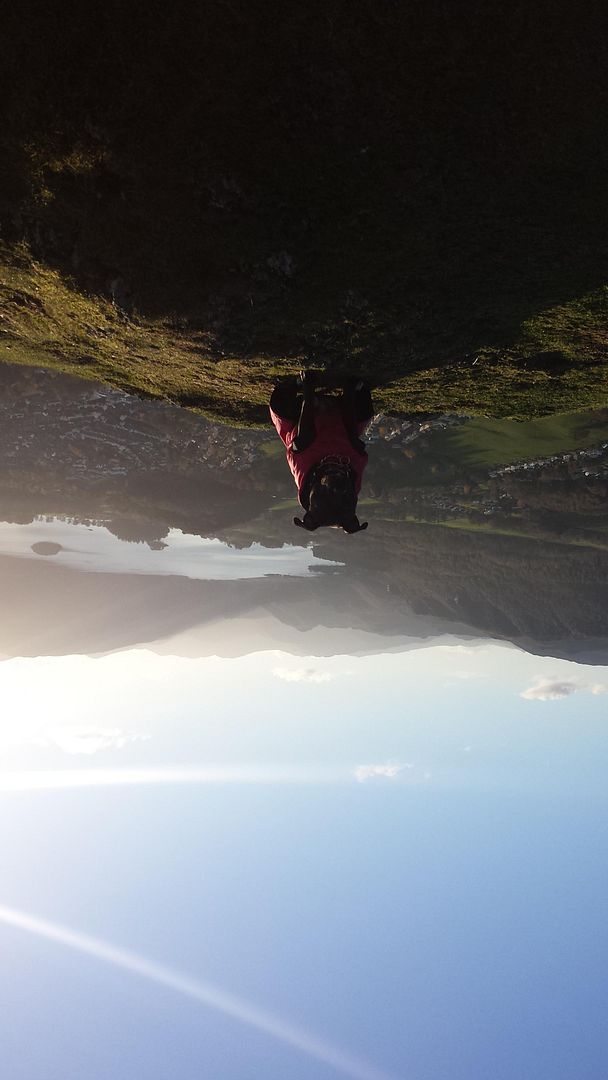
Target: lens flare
column 57, row 779
column 202, row 992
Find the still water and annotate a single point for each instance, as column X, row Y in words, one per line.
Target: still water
column 289, row 806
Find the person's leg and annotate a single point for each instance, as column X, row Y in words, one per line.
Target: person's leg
column 356, row 399
column 284, row 400
column 306, row 424
column 347, row 409
column 363, row 405
column 357, row 410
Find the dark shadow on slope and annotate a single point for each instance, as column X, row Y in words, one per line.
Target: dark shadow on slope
column 393, row 184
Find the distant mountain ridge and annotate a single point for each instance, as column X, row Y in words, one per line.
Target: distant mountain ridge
column 547, row 599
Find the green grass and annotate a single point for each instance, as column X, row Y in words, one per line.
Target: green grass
column 485, row 443
column 465, row 525
column 46, row 321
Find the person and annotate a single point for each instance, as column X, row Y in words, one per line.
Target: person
column 322, row 437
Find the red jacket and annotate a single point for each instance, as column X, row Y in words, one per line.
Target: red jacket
column 331, row 438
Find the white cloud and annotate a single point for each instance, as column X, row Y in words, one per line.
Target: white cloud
column 309, row 675
column 368, row 772
column 554, row 689
column 549, row 690
column 90, row 740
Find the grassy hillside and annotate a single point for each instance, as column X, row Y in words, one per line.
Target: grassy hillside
column 486, row 443
column 194, row 201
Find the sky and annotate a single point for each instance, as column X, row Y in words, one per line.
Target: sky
column 281, row 867
column 380, row 866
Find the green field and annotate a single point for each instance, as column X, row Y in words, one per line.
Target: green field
column 486, row 443
column 46, row 321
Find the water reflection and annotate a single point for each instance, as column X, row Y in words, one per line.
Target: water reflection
column 474, row 532
column 335, row 786
column 95, row 548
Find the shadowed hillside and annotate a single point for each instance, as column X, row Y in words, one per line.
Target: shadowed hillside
column 414, row 190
